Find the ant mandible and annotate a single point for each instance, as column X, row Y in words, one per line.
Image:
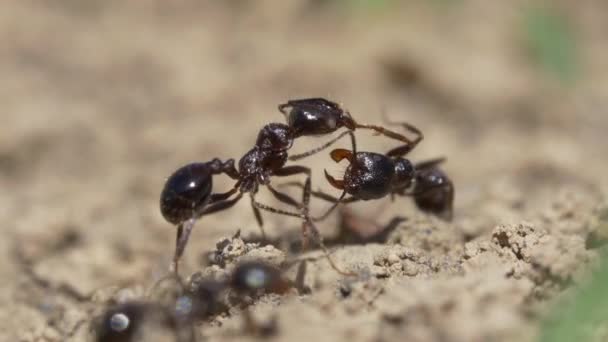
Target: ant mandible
column 187, row 194
column 373, row 176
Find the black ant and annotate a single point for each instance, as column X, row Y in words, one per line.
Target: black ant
column 141, row 320
column 373, row 176
column 187, row 194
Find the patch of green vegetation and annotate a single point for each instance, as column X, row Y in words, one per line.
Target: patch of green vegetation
column 551, row 41
column 580, row 317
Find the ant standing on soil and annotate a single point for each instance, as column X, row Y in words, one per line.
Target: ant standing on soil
column 187, row 194
column 373, row 176
column 139, row 320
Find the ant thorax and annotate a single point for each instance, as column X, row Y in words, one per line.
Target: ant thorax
column 268, row 154
column 249, row 168
column 315, row 116
column 257, row 166
column 275, row 137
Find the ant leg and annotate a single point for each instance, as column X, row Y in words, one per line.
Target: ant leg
column 285, row 198
column 319, row 240
column 258, row 216
column 220, row 205
column 293, row 170
column 334, row 206
column 256, row 210
column 326, row 197
column 185, row 228
column 305, row 237
column 326, row 145
column 427, row 190
column 183, row 233
column 257, row 205
column 427, row 164
column 401, row 150
column 409, row 127
column 308, row 223
column 318, row 194
column 223, row 196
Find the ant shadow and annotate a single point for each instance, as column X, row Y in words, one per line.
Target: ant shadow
column 353, row 230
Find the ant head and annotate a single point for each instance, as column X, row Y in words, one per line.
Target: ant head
column 404, row 173
column 138, row 321
column 434, row 192
column 315, row 116
column 275, row 137
column 186, row 192
column 368, row 176
column 254, row 276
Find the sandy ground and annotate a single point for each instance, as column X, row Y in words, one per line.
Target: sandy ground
column 102, row 100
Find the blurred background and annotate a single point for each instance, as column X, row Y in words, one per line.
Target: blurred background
column 102, row 100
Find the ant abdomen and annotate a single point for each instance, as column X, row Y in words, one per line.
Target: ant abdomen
column 316, row 116
column 186, row 192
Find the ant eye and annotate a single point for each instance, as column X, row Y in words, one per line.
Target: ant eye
column 119, row 322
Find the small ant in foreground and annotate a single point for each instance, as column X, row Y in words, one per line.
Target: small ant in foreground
column 147, row 321
column 141, row 321
column 187, row 194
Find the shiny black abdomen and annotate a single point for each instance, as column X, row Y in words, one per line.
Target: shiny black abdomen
column 186, row 192
column 370, row 177
column 314, row 117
